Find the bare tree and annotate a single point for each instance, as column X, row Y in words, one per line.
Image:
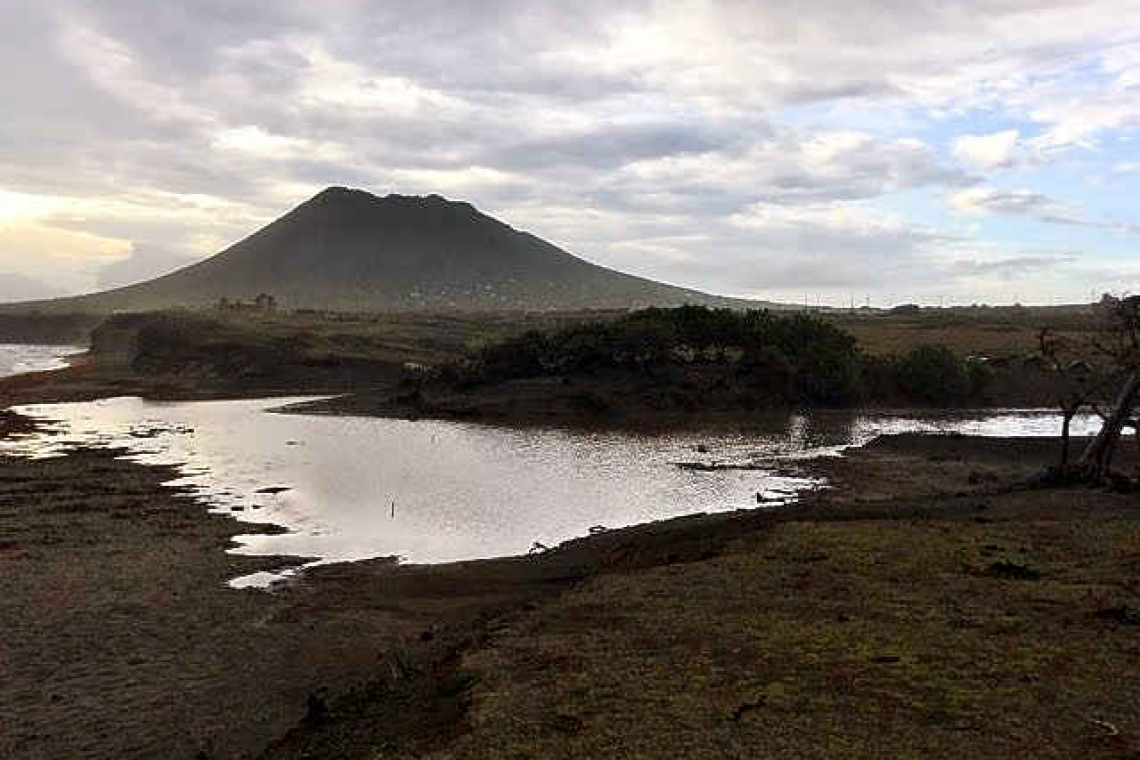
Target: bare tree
column 1121, row 344
column 1066, row 358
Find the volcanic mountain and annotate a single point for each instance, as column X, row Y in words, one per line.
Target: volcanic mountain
column 353, row 251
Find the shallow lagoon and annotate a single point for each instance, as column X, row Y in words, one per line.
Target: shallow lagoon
column 436, row 491
column 17, row 359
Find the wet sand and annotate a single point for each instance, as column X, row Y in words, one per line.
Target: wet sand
column 929, row 605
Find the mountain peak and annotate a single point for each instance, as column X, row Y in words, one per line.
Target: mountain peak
column 335, row 193
column 351, row 201
column 348, row 249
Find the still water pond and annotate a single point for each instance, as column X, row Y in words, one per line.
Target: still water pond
column 18, row 359
column 431, row 491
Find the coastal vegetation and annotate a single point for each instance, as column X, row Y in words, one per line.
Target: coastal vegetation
column 756, row 357
column 567, row 363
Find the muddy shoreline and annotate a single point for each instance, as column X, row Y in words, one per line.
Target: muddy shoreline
column 121, row 638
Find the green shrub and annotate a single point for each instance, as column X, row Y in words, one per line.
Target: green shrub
column 932, row 374
column 775, row 359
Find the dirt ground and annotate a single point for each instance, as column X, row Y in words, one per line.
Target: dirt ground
column 119, row 637
column 930, row 605
column 998, row 624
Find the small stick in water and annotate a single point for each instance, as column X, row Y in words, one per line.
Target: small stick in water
column 393, row 509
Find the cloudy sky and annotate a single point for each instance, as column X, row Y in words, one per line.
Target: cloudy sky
column 969, row 151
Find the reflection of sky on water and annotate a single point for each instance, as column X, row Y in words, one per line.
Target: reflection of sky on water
column 432, row 491
column 18, row 359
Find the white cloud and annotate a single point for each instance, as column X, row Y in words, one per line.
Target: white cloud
column 461, row 179
column 993, row 151
column 255, row 141
column 987, row 200
column 631, row 131
column 792, row 167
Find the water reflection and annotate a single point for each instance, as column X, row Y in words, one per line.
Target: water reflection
column 17, row 359
column 429, row 491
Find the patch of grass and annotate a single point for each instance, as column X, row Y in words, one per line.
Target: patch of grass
column 756, row 653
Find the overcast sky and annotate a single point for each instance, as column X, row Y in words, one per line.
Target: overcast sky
column 980, row 150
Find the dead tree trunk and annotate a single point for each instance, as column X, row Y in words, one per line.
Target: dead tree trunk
column 1067, row 414
column 1097, row 458
column 1134, row 425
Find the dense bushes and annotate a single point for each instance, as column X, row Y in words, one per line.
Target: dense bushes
column 931, row 375
column 795, row 359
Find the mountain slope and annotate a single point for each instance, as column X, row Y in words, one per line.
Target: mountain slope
column 350, row 250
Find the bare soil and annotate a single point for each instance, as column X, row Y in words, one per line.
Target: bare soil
column 933, row 604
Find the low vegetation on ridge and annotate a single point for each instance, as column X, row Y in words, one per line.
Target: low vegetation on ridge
column 757, row 357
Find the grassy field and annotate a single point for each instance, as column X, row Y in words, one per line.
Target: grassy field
column 385, row 337
column 993, row 332
column 431, row 338
column 997, row 628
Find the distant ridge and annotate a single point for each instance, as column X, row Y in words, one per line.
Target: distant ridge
column 350, row 250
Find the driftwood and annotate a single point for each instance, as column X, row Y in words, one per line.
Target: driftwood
column 1111, row 729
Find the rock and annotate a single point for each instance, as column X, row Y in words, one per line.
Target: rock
column 1121, row 614
column 1012, row 571
column 317, row 708
column 564, row 724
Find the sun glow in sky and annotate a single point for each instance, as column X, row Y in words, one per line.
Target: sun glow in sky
column 981, row 151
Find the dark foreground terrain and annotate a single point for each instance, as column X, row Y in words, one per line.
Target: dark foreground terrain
column 931, row 605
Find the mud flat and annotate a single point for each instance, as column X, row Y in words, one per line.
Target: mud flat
column 120, row 637
column 932, row 604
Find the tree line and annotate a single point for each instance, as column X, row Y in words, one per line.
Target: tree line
column 793, row 359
